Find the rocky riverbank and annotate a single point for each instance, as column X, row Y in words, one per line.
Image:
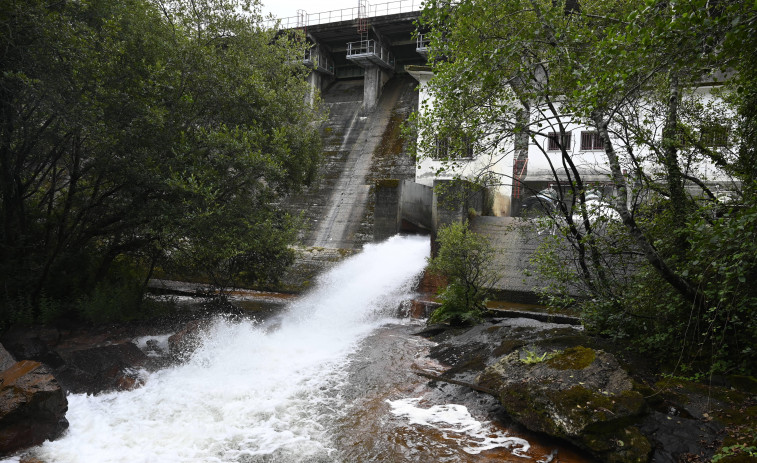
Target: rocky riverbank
column 39, row 365
column 554, row 379
column 548, row 377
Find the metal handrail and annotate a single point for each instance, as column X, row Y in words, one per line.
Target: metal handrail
column 361, row 47
column 370, row 46
column 319, row 59
column 346, row 14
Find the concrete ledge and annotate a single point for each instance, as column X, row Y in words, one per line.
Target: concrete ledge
column 539, row 316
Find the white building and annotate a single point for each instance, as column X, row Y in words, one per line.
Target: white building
column 513, row 179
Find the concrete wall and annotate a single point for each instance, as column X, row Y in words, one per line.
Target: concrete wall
column 453, row 201
column 373, row 83
column 401, row 206
column 386, row 210
column 415, row 206
column 409, row 206
column 515, row 242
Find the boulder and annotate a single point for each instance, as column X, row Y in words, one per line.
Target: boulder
column 578, row 394
column 6, row 359
column 101, row 368
column 33, row 343
column 184, row 342
column 32, row 406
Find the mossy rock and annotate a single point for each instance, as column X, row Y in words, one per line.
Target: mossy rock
column 593, row 421
column 580, row 395
column 686, row 387
column 625, row 445
column 508, row 346
column 574, row 358
column 744, row 383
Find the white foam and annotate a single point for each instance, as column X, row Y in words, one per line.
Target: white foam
column 153, row 346
column 456, row 423
column 249, row 390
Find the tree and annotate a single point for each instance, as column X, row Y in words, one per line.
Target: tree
column 464, row 260
column 507, row 73
column 142, row 133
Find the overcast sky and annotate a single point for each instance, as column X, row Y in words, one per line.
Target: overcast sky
column 287, row 8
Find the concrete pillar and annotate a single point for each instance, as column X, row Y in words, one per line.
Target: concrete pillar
column 315, row 81
column 373, row 83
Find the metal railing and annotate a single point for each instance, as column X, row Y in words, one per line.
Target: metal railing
column 361, row 47
column 346, row 14
column 318, row 60
column 369, row 47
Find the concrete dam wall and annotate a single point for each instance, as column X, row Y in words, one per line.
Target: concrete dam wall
column 360, row 148
column 366, row 192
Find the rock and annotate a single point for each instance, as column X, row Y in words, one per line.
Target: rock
column 469, row 351
column 101, row 368
column 33, row 343
column 6, row 359
column 32, row 406
column 580, row 394
column 418, row 309
column 186, row 340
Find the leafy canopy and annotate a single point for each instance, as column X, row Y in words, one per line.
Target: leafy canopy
column 508, row 74
column 157, row 133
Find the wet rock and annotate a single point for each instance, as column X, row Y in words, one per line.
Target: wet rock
column 577, row 394
column 101, row 368
column 6, row 359
column 186, row 340
column 672, row 437
column 469, row 351
column 32, row 406
column 419, row 309
column 34, row 343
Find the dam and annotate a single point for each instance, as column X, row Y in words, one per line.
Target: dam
column 361, row 63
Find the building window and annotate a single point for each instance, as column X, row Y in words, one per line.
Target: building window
column 591, row 141
column 441, row 147
column 553, row 143
column 445, row 148
column 714, row 136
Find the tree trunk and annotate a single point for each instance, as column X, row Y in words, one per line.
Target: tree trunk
column 680, row 284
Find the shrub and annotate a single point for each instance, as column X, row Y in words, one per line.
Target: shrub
column 464, row 259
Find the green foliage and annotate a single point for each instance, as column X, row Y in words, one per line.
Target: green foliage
column 670, row 270
column 643, row 314
column 464, row 259
column 161, row 133
column 733, row 450
column 532, row 357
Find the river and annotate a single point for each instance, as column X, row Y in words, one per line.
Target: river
column 328, row 379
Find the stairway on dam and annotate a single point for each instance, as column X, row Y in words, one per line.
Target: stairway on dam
column 359, row 149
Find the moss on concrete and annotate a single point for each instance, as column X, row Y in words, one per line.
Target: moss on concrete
column 388, row 183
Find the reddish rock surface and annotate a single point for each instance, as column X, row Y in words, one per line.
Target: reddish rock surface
column 422, row 309
column 32, row 406
column 431, row 283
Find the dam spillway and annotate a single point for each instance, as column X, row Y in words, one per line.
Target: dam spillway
column 359, row 149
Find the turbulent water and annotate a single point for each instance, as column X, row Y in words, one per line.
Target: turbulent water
column 251, row 392
column 329, row 379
